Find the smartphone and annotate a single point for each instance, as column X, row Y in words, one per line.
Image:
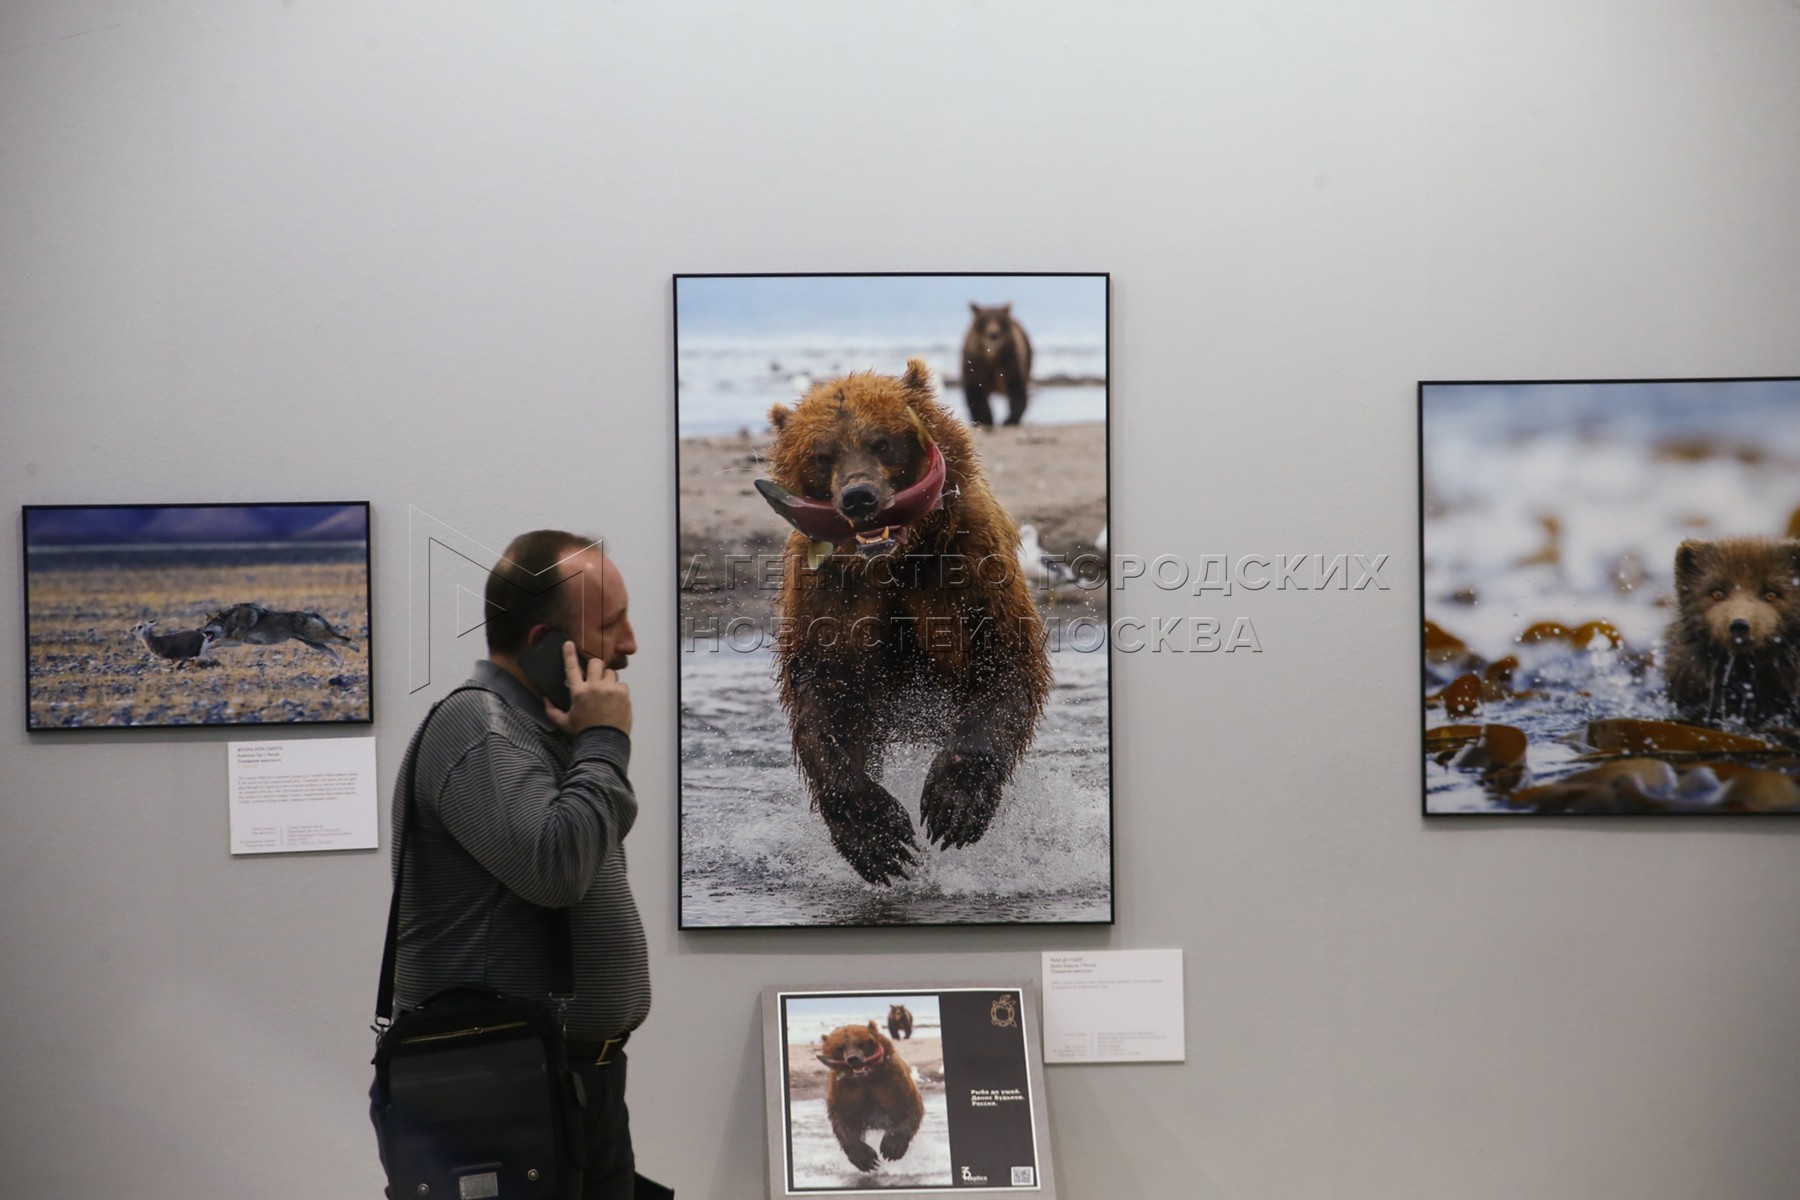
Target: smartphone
column 543, row 664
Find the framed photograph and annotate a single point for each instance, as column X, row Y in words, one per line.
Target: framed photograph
column 158, row 615
column 895, row 688
column 1610, row 592
column 905, row 1092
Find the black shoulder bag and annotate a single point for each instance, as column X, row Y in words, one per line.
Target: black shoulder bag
column 473, row 1094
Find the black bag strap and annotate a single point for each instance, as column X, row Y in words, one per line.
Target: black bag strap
column 562, row 943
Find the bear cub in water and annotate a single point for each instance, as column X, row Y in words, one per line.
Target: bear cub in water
column 1733, row 649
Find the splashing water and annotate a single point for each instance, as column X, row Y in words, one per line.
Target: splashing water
column 754, row 852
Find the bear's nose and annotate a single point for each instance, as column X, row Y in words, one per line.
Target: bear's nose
column 1740, row 628
column 860, row 500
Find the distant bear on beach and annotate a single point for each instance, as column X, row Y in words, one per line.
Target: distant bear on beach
column 871, row 1088
column 899, row 1021
column 996, row 357
column 1733, row 649
column 904, row 617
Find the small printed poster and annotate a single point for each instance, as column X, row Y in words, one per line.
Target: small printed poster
column 1113, row 1006
column 905, row 1091
column 312, row 794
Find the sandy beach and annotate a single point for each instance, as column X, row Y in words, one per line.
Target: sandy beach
column 1051, row 476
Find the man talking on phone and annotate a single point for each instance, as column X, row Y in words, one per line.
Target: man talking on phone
column 522, row 805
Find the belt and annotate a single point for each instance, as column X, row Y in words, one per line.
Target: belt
column 600, row 1054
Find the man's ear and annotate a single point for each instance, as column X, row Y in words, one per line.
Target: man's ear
column 778, row 415
column 918, row 375
column 1691, row 558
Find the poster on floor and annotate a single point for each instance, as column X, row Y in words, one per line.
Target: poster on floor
column 895, row 687
column 905, row 1091
column 1610, row 597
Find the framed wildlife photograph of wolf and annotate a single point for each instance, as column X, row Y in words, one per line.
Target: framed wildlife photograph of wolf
column 895, row 688
column 197, row 614
column 905, row 1092
column 1610, row 593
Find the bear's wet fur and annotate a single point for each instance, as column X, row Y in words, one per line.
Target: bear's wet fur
column 871, row 1088
column 1733, row 650
column 929, row 636
column 996, row 357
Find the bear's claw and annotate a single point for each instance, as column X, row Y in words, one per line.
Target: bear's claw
column 894, row 1145
column 874, row 834
column 962, row 793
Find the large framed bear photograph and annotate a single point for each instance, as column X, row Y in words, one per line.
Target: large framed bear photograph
column 895, row 684
column 1611, row 596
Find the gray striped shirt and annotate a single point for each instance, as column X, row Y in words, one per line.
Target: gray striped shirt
column 514, row 818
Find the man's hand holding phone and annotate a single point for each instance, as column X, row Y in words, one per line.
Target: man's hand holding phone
column 596, row 697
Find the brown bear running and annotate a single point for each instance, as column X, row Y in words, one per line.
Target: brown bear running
column 904, row 615
column 899, row 1021
column 1733, row 650
column 871, row 1088
column 996, row 357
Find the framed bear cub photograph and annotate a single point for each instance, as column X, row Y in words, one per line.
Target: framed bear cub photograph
column 1610, row 592
column 905, row 1092
column 895, row 685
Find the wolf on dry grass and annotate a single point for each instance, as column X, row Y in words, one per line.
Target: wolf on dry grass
column 252, row 624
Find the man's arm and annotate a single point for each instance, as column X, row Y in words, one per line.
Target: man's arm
column 546, row 843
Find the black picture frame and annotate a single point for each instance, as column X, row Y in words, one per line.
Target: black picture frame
column 289, row 583
column 1571, row 664
column 752, row 853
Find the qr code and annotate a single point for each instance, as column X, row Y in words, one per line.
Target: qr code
column 1024, row 1177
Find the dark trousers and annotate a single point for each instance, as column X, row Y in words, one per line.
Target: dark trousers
column 611, row 1167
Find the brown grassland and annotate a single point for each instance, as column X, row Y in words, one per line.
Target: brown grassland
column 86, row 669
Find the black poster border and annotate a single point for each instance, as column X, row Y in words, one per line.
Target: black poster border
column 1005, row 1003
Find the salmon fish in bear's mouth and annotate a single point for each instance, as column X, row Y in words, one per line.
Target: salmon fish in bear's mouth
column 823, row 525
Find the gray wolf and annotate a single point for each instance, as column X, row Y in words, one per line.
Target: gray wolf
column 252, row 624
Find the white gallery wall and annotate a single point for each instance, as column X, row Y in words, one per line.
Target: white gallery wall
column 419, row 253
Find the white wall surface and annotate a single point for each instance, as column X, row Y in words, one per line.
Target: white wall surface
column 420, row 253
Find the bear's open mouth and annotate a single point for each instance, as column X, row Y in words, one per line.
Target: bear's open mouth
column 877, row 542
column 868, row 1064
column 823, row 525
column 822, row 522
